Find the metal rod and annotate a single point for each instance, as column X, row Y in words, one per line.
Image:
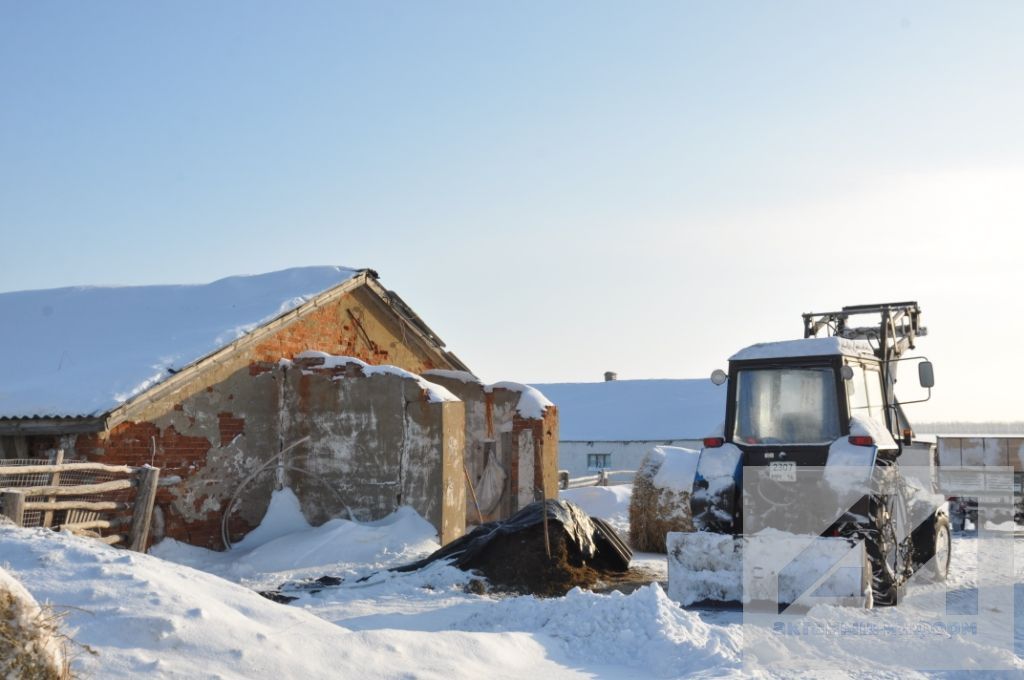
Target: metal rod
column 472, row 493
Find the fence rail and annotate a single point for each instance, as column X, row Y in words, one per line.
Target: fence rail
column 602, row 478
column 80, row 497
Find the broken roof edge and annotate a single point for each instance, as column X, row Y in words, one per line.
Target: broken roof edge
column 435, row 393
column 532, row 403
column 428, row 338
column 466, row 377
column 364, row 278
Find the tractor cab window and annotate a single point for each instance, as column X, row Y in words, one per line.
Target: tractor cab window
column 864, row 393
column 786, row 406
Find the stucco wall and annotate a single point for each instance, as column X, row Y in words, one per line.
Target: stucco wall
column 375, row 443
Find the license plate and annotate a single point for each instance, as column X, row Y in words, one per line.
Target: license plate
column 782, row 471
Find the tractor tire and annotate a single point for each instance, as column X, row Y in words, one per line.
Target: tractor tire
column 936, row 544
column 883, row 552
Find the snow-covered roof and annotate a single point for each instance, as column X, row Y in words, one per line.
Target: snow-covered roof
column 636, row 410
column 83, row 351
column 808, row 347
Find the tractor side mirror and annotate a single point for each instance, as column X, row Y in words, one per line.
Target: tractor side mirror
column 719, row 377
column 926, row 374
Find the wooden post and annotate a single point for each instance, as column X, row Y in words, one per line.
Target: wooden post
column 142, row 515
column 58, row 458
column 14, row 506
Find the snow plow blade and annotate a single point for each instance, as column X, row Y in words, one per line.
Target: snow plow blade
column 767, row 570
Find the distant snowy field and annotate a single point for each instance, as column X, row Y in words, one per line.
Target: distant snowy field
column 185, row 612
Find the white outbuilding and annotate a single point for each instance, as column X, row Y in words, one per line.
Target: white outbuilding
column 611, row 425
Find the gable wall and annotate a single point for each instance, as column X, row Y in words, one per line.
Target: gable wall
column 211, row 431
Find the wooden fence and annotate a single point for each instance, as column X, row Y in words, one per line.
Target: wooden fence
column 603, row 478
column 113, row 503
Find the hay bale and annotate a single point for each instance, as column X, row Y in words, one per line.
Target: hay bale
column 31, row 645
column 661, row 497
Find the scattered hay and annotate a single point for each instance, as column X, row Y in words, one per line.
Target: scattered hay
column 654, row 511
column 31, row 644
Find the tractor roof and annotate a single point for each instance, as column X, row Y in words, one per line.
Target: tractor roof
column 808, row 347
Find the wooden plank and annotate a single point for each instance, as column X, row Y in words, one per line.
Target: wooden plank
column 75, row 505
column 93, row 524
column 14, row 506
column 54, row 481
column 65, row 467
column 142, row 515
column 112, row 539
column 80, row 490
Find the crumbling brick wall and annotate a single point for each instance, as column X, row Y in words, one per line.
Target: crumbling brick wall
column 208, row 433
column 526, row 448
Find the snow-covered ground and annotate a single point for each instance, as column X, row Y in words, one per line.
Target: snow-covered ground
column 187, row 612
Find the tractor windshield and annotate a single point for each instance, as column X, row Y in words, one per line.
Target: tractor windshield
column 786, row 406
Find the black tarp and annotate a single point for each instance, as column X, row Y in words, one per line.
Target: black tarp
column 591, row 538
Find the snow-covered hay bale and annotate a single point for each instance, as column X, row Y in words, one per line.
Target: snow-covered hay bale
column 661, row 497
column 31, row 646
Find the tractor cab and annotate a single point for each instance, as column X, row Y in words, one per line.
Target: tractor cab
column 790, row 401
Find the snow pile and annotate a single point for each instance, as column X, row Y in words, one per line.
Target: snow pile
column 146, row 333
column 610, row 503
column 435, row 393
column 30, row 644
column 147, row 617
column 645, row 630
column 399, row 536
column 284, row 542
column 678, row 470
column 283, row 516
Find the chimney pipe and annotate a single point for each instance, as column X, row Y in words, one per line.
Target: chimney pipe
column 610, row 376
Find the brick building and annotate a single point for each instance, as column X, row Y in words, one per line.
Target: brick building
column 210, row 383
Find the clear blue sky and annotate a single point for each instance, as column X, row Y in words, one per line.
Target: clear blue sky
column 558, row 188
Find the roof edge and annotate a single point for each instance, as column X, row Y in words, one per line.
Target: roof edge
column 36, row 425
column 116, row 415
column 366, row 278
